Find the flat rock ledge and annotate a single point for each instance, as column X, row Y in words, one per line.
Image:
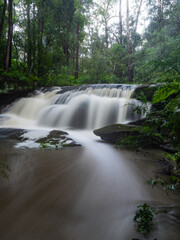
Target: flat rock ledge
column 115, row 132
column 52, row 139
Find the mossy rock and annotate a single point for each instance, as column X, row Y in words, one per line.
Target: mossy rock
column 59, row 139
column 147, row 90
column 117, row 132
column 55, row 138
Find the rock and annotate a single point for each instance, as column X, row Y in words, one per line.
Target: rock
column 141, row 122
column 58, row 139
column 11, row 133
column 148, row 91
column 115, row 132
column 54, row 139
column 7, row 98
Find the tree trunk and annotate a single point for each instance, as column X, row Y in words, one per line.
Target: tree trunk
column 128, row 43
column 34, row 47
column 137, row 16
column 29, row 45
column 160, row 14
column 77, row 52
column 106, row 34
column 66, row 52
column 127, row 26
column 2, row 18
column 77, row 48
column 120, row 21
column 136, row 23
column 40, row 35
column 10, row 34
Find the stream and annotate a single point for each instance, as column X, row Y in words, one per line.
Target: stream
column 87, row 192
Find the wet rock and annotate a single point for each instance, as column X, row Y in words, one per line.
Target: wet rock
column 57, row 139
column 28, row 138
column 115, row 132
column 168, row 147
column 11, row 133
column 141, row 122
column 7, row 98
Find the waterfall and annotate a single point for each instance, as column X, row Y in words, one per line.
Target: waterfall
column 84, row 107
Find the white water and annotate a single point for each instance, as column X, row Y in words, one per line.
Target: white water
column 81, row 109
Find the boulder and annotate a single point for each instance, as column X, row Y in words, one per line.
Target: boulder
column 115, row 132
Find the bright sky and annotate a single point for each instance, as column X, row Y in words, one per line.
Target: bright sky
column 143, row 21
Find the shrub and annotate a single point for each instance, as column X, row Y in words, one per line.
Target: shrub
column 144, row 218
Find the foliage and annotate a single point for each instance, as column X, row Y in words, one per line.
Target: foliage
column 144, row 218
column 146, row 138
column 174, row 157
column 169, row 183
column 166, row 90
column 45, row 39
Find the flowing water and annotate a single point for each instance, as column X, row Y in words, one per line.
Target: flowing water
column 82, row 193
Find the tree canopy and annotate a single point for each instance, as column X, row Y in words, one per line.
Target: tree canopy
column 49, row 42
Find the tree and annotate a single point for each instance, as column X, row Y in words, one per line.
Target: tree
column 2, row 18
column 10, row 35
column 128, row 42
column 29, row 40
column 120, row 20
column 77, row 43
column 103, row 10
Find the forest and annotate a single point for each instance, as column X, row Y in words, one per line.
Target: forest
column 70, row 42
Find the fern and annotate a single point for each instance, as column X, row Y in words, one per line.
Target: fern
column 165, row 91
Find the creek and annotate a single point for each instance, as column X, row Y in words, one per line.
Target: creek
column 87, row 192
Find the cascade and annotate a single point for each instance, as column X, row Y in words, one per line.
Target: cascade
column 84, row 107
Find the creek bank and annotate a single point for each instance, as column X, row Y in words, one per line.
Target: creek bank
column 128, row 136
column 38, row 138
column 133, row 137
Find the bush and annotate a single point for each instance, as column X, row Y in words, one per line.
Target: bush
column 144, row 218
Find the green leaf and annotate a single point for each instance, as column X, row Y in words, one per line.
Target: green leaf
column 165, row 91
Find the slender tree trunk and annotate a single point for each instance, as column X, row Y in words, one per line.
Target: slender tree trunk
column 160, row 14
column 2, row 18
column 29, row 45
column 40, row 35
column 77, row 48
column 128, row 43
column 34, row 30
column 120, row 20
column 127, row 26
column 106, row 34
column 66, row 52
column 77, row 52
column 137, row 16
column 10, row 34
column 136, row 23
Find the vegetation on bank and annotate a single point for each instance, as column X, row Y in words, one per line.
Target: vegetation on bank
column 161, row 129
